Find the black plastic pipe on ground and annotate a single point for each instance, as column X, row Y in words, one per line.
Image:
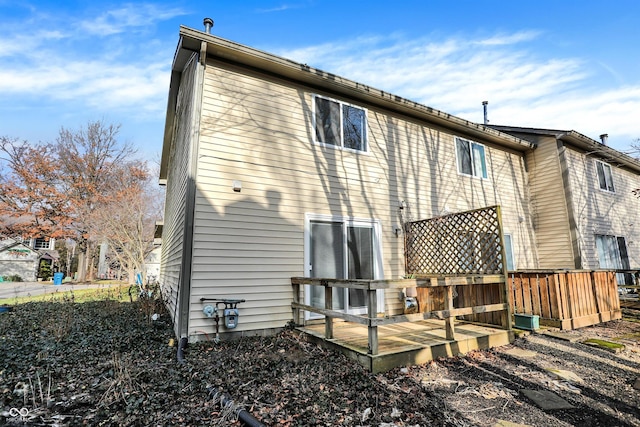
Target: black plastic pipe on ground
column 181, row 346
column 243, row 415
column 225, row 399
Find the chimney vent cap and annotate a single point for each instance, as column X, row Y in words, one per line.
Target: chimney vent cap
column 208, row 23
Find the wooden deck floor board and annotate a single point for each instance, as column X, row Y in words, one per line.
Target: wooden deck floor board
column 408, row 343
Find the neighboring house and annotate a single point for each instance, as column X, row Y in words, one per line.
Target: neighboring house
column 274, row 169
column 41, row 243
column 584, row 213
column 152, row 264
column 22, row 259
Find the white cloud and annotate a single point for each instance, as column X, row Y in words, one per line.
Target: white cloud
column 18, row 44
column 280, row 8
column 96, row 84
column 523, row 86
column 110, row 73
column 508, row 39
column 128, row 17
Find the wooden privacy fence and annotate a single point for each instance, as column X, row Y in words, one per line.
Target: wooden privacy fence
column 443, row 285
column 566, row 299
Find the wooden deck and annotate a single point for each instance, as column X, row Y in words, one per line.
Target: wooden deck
column 407, row 343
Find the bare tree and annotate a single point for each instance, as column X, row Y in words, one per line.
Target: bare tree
column 89, row 161
column 129, row 223
column 54, row 190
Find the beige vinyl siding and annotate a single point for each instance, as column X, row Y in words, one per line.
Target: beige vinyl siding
column 423, row 172
column 258, row 130
column 549, row 206
column 602, row 212
column 177, row 179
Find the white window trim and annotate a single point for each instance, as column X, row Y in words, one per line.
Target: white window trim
column 604, row 166
column 49, row 244
column 341, row 146
column 486, row 163
column 377, row 237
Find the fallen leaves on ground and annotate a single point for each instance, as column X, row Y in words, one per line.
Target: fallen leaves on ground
column 107, row 363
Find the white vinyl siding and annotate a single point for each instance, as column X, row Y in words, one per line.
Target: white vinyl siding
column 248, row 244
column 605, row 177
column 18, row 259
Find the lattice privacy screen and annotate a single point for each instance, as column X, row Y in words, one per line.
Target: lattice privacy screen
column 461, row 243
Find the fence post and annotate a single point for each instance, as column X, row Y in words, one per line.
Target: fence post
column 504, row 288
column 372, row 312
column 296, row 300
column 448, row 321
column 328, row 304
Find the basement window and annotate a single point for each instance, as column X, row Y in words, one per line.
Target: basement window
column 471, row 158
column 605, row 176
column 339, row 124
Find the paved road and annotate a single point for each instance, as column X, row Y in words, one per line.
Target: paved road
column 13, row 289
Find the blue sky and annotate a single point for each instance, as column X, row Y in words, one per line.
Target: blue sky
column 546, row 63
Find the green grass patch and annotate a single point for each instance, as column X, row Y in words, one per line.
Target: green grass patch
column 607, row 345
column 116, row 292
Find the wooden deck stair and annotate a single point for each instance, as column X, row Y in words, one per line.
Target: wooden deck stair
column 407, row 344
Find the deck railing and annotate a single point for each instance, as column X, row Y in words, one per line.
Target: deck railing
column 448, row 312
column 628, row 280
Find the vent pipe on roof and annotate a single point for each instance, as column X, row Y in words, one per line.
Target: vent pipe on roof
column 484, row 107
column 208, row 24
column 603, row 138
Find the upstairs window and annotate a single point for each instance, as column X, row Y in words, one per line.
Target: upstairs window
column 41, row 243
column 340, row 124
column 471, row 158
column 605, row 177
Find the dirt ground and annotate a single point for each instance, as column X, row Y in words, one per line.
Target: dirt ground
column 108, row 364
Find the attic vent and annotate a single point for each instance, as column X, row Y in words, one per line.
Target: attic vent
column 208, row 24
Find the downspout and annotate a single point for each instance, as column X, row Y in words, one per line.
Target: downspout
column 182, row 344
column 187, row 255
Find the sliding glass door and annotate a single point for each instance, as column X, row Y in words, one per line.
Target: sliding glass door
column 342, row 249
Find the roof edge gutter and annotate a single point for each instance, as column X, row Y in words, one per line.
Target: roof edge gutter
column 230, row 51
column 604, row 151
